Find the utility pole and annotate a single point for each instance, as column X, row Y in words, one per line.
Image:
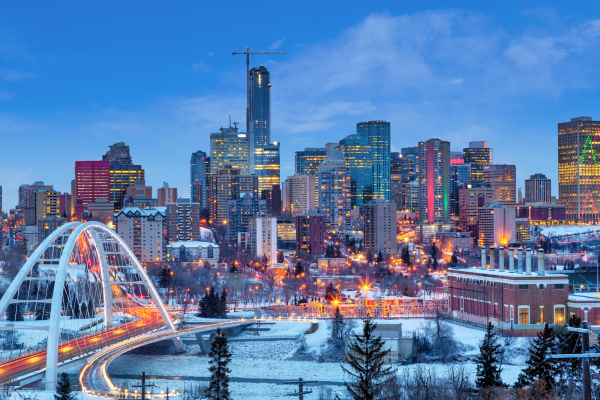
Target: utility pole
column 301, row 392
column 143, row 385
column 247, row 52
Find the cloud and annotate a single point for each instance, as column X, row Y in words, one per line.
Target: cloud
column 455, row 81
column 15, row 75
column 277, row 44
column 201, row 66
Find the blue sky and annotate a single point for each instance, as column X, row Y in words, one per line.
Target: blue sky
column 78, row 76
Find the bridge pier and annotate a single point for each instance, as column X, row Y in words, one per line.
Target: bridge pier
column 203, row 345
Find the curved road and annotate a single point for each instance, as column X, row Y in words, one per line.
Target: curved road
column 93, row 376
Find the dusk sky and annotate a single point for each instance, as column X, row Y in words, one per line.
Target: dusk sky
column 76, row 77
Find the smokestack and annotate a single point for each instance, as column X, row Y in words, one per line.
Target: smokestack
column 540, row 270
column 520, row 261
column 492, row 259
column 483, row 258
column 511, row 259
column 501, row 258
column 528, row 262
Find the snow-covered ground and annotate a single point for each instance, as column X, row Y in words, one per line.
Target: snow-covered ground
column 271, row 360
column 559, row 230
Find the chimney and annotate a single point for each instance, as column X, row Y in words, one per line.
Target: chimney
column 528, row 262
column 540, row 270
column 492, row 259
column 511, row 259
column 483, row 258
column 501, row 258
column 520, row 260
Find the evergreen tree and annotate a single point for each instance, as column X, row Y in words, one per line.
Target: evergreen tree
column 338, row 323
column 218, row 389
column 433, row 251
column 454, row 259
column 280, row 257
column 406, row 256
column 203, row 307
column 331, row 292
column 165, row 277
column 299, row 268
column 366, row 358
column 569, row 343
column 63, row 388
column 488, row 363
column 222, row 310
column 233, row 269
column 14, row 312
column 379, row 257
column 537, row 365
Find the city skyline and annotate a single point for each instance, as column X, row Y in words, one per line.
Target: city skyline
column 42, row 95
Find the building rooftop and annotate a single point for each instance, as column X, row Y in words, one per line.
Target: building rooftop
column 193, row 244
column 142, row 212
column 505, row 273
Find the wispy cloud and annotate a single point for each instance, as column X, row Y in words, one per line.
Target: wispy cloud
column 201, row 66
column 15, row 75
column 277, row 44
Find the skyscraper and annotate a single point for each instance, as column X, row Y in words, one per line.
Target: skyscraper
column 92, row 182
column 119, row 153
column 479, row 156
column 460, row 174
column 395, row 162
column 199, row 170
column 308, row 160
column 357, row 156
column 334, row 191
column 267, row 166
column 121, row 177
column 166, row 195
column 260, row 109
column 299, row 194
column 538, row 189
column 579, row 169
column 378, row 134
column 503, row 180
column 434, row 181
column 380, row 227
column 409, row 164
column 226, row 184
column 229, row 147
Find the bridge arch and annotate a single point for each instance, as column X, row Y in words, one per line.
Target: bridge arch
column 80, row 266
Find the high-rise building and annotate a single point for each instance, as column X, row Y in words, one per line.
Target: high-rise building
column 479, row 156
column 229, row 147
column 167, row 195
column 460, row 174
column 579, row 169
column 259, row 110
column 397, row 191
column 92, row 182
column 121, row 177
column 308, row 160
column 118, row 153
column 310, row 234
column 357, row 155
column 48, row 225
column 199, row 171
column 538, row 189
column 503, row 179
column 267, row 166
column 334, row 192
column 47, row 204
column 378, row 134
column 395, row 162
column 26, row 193
column 239, row 213
column 299, row 194
column 380, row 227
column 409, row 163
column 142, row 230
column 263, row 238
column 139, row 190
column 411, row 196
column 496, row 225
column 65, row 205
column 434, row 181
column 227, row 184
column 183, row 222
column 472, row 197
column 330, row 147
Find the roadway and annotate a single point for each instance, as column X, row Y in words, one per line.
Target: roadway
column 94, row 378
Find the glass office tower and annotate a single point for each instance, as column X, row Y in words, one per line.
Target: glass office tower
column 267, row 166
column 479, row 156
column 309, row 159
column 199, row 170
column 260, row 110
column 357, row 154
column 378, row 135
column 229, row 147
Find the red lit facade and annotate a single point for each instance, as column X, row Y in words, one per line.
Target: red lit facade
column 92, row 182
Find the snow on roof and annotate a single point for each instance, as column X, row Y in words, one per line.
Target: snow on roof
column 193, row 244
column 560, row 230
column 142, row 212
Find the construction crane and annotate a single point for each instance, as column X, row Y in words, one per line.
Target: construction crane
column 247, row 52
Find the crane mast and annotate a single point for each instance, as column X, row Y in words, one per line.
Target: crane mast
column 249, row 110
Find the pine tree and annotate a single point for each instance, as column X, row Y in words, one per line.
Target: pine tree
column 14, row 312
column 203, row 307
column 488, row 368
column 537, row 365
column 218, row 389
column 222, row 310
column 299, row 268
column 338, row 324
column 366, row 358
column 63, row 388
column 569, row 343
column 406, row 256
column 379, row 257
column 454, row 259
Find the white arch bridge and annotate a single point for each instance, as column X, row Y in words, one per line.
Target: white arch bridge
column 81, row 291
